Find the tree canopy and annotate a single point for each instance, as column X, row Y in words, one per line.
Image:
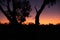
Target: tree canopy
column 15, row 10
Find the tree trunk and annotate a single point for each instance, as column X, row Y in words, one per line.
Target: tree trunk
column 38, row 13
column 37, row 20
column 14, row 21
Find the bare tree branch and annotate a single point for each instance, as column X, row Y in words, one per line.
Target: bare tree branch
column 8, row 6
column 36, row 9
column 5, row 13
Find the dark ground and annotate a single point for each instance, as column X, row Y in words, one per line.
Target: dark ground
column 27, row 32
column 29, row 28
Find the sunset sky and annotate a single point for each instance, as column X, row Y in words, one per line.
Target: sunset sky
column 49, row 15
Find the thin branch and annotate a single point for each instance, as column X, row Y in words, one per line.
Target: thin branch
column 5, row 13
column 14, row 7
column 36, row 9
column 41, row 9
column 2, row 2
column 8, row 6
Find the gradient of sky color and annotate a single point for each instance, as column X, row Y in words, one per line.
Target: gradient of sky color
column 49, row 15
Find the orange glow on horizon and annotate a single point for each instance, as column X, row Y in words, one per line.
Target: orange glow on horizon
column 30, row 20
column 4, row 21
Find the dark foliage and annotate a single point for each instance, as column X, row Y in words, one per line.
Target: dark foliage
column 15, row 8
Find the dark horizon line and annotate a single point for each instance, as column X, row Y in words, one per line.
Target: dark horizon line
column 31, row 24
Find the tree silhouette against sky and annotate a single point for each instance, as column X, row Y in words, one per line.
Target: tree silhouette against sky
column 38, row 12
column 15, row 10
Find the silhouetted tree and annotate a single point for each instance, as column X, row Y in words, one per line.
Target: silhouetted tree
column 45, row 2
column 26, row 9
column 20, row 10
